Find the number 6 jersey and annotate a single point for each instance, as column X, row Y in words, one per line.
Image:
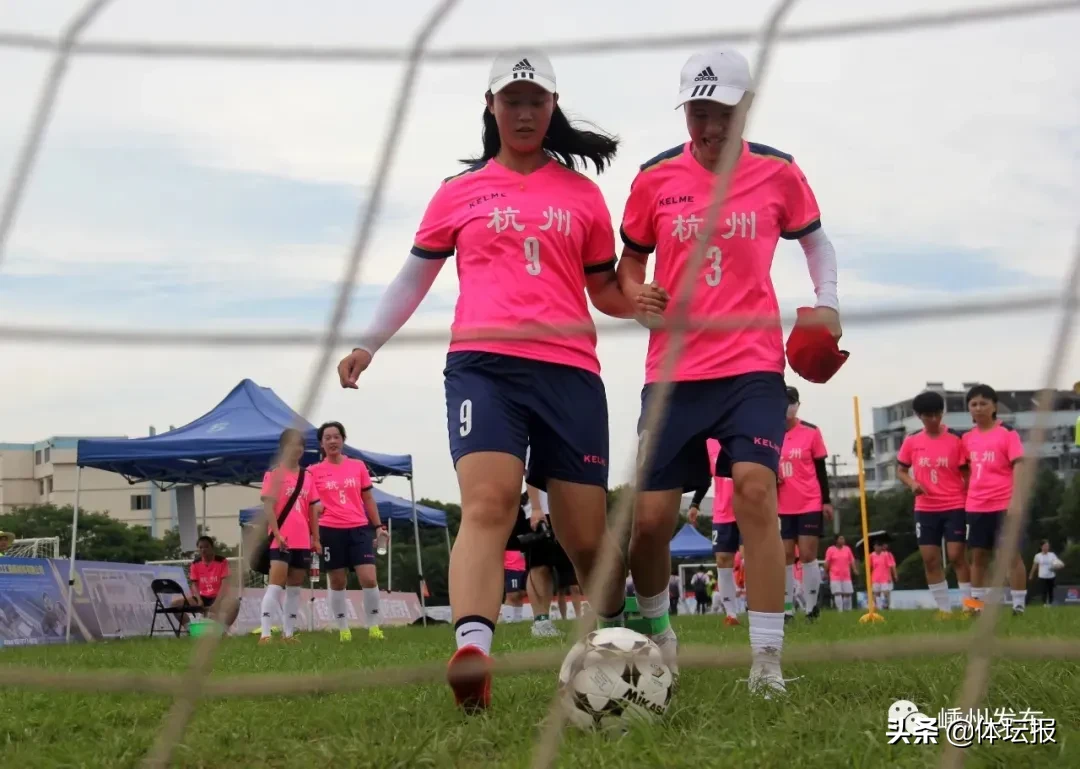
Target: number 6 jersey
column 524, row 243
column 768, row 198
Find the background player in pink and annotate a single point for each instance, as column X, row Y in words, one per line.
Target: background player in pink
column 993, row 450
column 729, row 385
column 348, row 526
column 933, row 464
column 840, row 563
column 532, row 237
column 291, row 543
column 514, row 582
column 803, row 502
column 725, row 531
column 882, row 574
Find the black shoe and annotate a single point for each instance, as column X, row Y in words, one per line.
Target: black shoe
column 788, row 617
column 813, row 615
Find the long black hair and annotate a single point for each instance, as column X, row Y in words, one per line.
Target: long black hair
column 563, row 140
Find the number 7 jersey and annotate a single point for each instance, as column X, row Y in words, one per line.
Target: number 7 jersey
column 768, row 198
column 524, row 243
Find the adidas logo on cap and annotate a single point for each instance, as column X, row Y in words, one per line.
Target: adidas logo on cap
column 523, row 69
column 705, row 74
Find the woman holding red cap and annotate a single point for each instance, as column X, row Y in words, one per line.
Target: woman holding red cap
column 729, row 385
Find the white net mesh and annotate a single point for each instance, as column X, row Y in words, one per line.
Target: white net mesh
column 40, row 547
column 187, row 689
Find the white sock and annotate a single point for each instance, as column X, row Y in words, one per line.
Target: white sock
column 940, row 592
column 515, row 613
column 847, row 601
column 271, row 603
column 811, row 576
column 1019, row 598
column 838, row 601
column 725, row 586
column 474, row 631
column 789, row 589
column 292, row 610
column 766, row 638
column 978, row 593
column 965, row 590
column 339, row 607
column 371, row 606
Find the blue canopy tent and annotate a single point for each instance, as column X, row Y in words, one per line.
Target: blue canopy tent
column 391, row 509
column 233, row 443
column 690, row 543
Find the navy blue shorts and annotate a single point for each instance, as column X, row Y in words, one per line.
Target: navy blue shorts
column 726, row 538
column 800, row 525
column 983, row 530
column 930, row 528
column 513, row 581
column 746, row 413
column 346, row 548
column 297, row 559
column 507, row 404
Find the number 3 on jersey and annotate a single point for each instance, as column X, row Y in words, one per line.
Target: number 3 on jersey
column 712, row 266
column 532, row 257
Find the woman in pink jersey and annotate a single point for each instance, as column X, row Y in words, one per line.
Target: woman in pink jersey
column 840, row 563
column 725, row 531
column 882, row 574
column 933, row 464
column 348, row 526
column 291, row 543
column 993, row 450
column 532, row 237
column 804, row 504
column 729, row 385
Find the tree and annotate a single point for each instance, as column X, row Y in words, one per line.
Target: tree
column 101, row 538
column 867, row 448
column 1069, row 511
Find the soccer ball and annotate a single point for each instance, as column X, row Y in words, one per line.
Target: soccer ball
column 614, row 677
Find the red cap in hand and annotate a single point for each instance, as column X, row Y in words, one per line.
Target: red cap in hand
column 811, row 350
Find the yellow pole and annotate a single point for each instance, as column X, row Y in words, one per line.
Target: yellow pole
column 871, row 615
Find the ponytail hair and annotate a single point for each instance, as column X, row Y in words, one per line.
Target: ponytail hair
column 564, row 141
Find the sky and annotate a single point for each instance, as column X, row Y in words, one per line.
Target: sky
column 223, row 195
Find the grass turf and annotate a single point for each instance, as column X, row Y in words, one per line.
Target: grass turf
column 835, row 715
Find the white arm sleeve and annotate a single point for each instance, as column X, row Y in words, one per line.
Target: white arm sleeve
column 821, row 259
column 400, row 301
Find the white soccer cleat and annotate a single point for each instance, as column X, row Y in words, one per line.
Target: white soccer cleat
column 669, row 647
column 766, row 680
column 545, row 629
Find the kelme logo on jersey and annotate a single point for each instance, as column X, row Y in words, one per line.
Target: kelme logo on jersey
column 706, row 74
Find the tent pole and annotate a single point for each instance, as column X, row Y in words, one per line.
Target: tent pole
column 71, row 565
column 449, row 547
column 204, row 509
column 419, row 560
column 390, row 554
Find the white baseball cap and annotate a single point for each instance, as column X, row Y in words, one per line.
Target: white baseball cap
column 721, row 75
column 521, row 66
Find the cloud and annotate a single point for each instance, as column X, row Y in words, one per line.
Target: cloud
column 225, row 195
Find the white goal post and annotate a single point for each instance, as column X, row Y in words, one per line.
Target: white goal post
column 36, row 547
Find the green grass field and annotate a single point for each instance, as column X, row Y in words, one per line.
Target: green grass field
column 835, row 716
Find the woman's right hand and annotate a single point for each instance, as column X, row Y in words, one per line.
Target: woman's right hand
column 352, row 366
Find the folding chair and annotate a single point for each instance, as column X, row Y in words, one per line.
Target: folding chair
column 169, row 588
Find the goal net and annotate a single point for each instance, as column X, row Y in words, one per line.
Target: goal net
column 35, row 547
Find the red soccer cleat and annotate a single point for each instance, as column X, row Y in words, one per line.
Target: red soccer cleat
column 731, row 621
column 469, row 675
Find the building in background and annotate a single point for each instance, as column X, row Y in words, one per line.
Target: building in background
column 1016, row 408
column 44, row 473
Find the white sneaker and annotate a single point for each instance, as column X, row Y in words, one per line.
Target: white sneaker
column 669, row 647
column 545, row 629
column 766, row 680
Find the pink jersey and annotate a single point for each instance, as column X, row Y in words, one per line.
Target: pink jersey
column 935, row 462
column 513, row 560
column 279, row 484
column 991, row 455
column 723, row 488
column 880, row 567
column 799, row 491
column 768, row 198
column 339, row 488
column 838, row 561
column 797, row 569
column 524, row 244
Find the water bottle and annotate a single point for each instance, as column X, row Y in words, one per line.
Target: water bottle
column 314, row 573
column 381, row 541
